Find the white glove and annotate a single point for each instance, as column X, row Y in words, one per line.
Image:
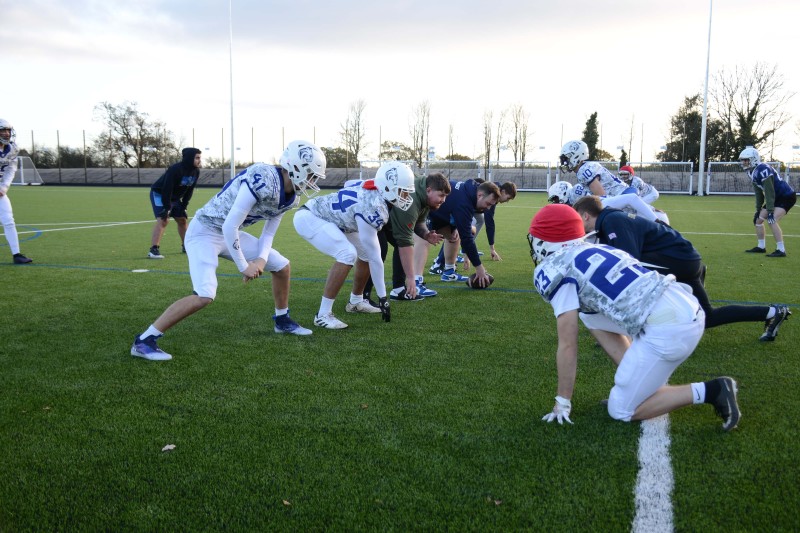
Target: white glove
column 560, row 412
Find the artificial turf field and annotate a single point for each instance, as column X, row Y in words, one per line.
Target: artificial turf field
column 430, row 422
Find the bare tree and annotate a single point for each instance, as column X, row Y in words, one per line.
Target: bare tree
column 500, row 127
column 131, row 139
column 353, row 130
column 419, row 128
column 487, row 137
column 751, row 104
column 518, row 132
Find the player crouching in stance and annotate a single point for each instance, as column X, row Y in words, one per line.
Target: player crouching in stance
column 619, row 300
column 260, row 192
column 345, row 226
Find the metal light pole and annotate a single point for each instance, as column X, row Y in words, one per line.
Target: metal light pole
column 705, row 108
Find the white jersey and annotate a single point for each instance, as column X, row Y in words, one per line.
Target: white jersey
column 607, row 280
column 8, row 165
column 343, row 207
column 592, row 170
column 265, row 183
column 647, row 192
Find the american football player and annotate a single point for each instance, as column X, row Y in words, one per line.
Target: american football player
column 8, row 167
column 345, row 225
column 666, row 250
column 647, row 323
column 260, row 192
column 774, row 198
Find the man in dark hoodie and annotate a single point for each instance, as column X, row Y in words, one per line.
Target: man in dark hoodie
column 170, row 196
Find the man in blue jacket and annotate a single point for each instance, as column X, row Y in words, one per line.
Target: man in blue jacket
column 454, row 221
column 660, row 247
column 170, row 196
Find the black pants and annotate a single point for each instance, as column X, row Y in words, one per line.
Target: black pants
column 693, row 274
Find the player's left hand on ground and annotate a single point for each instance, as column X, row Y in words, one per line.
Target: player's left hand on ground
column 496, row 256
column 560, row 412
column 770, row 218
column 386, row 312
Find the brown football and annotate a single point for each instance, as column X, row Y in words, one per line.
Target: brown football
column 471, row 278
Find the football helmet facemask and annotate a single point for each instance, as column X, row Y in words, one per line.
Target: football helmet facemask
column 749, row 158
column 573, row 154
column 540, row 249
column 559, row 192
column 305, row 163
column 395, row 181
column 7, row 133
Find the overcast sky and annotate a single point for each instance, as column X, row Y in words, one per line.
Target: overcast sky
column 298, row 64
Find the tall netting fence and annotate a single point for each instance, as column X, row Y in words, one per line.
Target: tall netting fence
column 727, row 177
column 526, row 175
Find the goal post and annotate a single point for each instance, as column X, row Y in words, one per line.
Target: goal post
column 26, row 173
column 526, row 175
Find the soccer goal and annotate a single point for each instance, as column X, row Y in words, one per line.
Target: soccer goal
column 26, row 173
column 454, row 170
column 526, row 175
column 667, row 177
column 727, row 177
column 792, row 174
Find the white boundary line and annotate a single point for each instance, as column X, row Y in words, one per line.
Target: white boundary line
column 106, row 225
column 655, row 481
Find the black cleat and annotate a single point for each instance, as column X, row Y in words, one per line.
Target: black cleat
column 777, row 253
column 756, row 250
column 771, row 325
column 155, row 253
column 20, row 259
column 725, row 403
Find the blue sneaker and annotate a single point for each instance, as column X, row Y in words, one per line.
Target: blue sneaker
column 452, row 275
column 285, row 324
column 460, row 259
column 424, row 291
column 148, row 349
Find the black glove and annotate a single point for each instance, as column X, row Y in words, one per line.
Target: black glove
column 386, row 312
column 755, row 217
column 770, row 218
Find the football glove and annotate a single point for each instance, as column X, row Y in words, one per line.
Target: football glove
column 560, row 411
column 770, row 218
column 755, row 218
column 163, row 214
column 386, row 312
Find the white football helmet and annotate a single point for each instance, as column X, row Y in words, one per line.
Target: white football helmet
column 305, row 164
column 573, row 154
column 395, row 181
column 749, row 158
column 7, row 133
column 541, row 249
column 559, row 192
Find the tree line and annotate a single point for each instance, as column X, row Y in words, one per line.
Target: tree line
column 747, row 107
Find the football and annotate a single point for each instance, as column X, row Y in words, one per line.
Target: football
column 476, row 286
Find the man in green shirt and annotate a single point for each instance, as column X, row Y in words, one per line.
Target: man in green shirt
column 429, row 193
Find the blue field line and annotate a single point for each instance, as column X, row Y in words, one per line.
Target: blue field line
column 438, row 286
column 32, row 233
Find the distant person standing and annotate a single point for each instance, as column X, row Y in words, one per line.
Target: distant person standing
column 170, row 196
column 8, row 167
column 774, row 198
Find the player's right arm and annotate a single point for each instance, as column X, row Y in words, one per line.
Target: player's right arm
column 8, row 171
column 244, row 203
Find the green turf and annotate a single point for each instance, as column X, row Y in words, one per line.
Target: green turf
column 431, row 422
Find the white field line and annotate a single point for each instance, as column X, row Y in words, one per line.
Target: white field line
column 103, row 225
column 655, row 481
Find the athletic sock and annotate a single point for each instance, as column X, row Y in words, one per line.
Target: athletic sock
column 449, row 267
column 762, row 243
column 281, row 312
column 356, row 298
column 326, row 306
column 781, row 246
column 698, row 392
column 151, row 332
column 772, row 312
column 713, row 388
